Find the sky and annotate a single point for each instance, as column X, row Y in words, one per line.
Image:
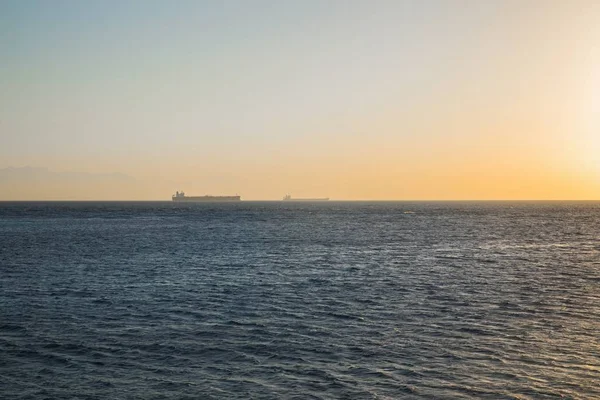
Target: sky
column 381, row 100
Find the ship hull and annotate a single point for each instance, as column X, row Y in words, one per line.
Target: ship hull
column 323, row 199
column 206, row 199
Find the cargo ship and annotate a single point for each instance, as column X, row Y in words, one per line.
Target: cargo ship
column 287, row 197
column 180, row 196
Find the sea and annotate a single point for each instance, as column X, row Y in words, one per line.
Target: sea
column 284, row 300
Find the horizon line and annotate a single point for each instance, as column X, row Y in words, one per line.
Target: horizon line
column 282, row 201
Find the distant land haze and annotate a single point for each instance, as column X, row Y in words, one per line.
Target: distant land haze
column 29, row 183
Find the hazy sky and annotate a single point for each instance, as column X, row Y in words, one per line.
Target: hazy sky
column 348, row 99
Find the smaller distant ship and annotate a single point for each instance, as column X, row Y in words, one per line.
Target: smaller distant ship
column 181, row 197
column 287, row 197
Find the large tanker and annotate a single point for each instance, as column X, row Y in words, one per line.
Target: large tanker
column 180, row 196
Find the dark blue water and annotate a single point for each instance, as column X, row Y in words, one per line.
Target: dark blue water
column 283, row 300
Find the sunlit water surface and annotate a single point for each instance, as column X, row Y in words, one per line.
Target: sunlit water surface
column 283, row 300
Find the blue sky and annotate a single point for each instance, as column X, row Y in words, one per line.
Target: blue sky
column 234, row 68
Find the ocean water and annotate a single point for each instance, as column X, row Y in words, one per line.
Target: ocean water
column 336, row 300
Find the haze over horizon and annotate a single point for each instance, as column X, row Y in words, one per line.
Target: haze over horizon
column 432, row 100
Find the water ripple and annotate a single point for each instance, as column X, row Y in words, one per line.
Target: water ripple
column 323, row 301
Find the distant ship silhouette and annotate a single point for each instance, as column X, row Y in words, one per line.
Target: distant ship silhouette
column 181, row 197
